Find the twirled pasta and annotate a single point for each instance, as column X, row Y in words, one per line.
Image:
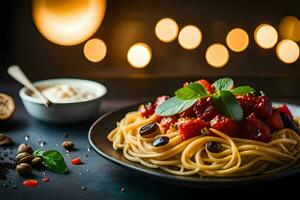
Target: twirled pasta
column 238, row 157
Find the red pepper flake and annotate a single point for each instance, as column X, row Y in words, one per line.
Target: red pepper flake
column 46, row 179
column 30, row 183
column 76, row 161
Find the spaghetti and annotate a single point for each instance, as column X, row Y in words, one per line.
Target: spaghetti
column 211, row 130
column 238, row 157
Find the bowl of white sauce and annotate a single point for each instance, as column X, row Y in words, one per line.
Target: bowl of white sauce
column 74, row 100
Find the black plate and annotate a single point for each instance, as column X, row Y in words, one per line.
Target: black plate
column 98, row 140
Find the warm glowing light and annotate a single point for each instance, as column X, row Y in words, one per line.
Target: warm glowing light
column 287, row 51
column 68, row 22
column 289, row 28
column 217, row 55
column 94, row 50
column 166, row 29
column 266, row 36
column 190, row 37
column 139, row 55
column 237, row 40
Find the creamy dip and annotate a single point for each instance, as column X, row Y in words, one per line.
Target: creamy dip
column 67, row 94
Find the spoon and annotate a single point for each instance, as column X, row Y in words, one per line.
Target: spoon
column 15, row 72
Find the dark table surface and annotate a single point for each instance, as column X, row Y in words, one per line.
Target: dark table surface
column 102, row 179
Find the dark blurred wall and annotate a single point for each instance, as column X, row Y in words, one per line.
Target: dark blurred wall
column 22, row 44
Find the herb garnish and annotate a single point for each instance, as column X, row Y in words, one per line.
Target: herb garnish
column 174, row 105
column 223, row 84
column 191, row 91
column 224, row 99
column 226, row 103
column 53, row 160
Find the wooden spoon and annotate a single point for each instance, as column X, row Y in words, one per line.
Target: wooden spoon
column 15, row 72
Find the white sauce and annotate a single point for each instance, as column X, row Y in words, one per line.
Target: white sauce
column 67, row 94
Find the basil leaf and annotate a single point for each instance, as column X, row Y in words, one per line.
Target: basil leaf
column 226, row 104
column 243, row 90
column 191, row 91
column 53, row 160
column 173, row 106
column 223, row 84
column 38, row 153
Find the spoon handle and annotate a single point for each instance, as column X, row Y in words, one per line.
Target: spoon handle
column 15, row 72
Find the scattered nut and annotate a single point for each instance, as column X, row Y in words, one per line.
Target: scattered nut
column 5, row 140
column 36, row 161
column 25, row 160
column 25, row 148
column 24, row 157
column 23, row 169
column 69, row 145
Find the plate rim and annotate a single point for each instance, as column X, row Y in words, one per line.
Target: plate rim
column 160, row 174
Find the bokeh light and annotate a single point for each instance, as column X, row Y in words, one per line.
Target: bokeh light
column 287, row 51
column 266, row 36
column 237, row 40
column 166, row 29
column 289, row 28
column 190, row 37
column 68, row 22
column 217, row 55
column 94, row 50
column 139, row 55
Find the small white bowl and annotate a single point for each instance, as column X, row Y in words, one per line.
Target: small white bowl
column 64, row 112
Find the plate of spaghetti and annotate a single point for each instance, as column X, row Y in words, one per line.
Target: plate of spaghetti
column 206, row 133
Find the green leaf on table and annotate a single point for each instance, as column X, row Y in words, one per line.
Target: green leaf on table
column 226, row 104
column 53, row 159
column 191, row 91
column 243, row 90
column 223, row 84
column 38, row 152
column 173, row 106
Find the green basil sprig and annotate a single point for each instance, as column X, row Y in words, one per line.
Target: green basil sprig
column 191, row 91
column 241, row 90
column 226, row 104
column 223, row 99
column 53, row 160
column 173, row 106
column 223, row 84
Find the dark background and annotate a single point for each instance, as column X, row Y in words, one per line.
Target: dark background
column 128, row 22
